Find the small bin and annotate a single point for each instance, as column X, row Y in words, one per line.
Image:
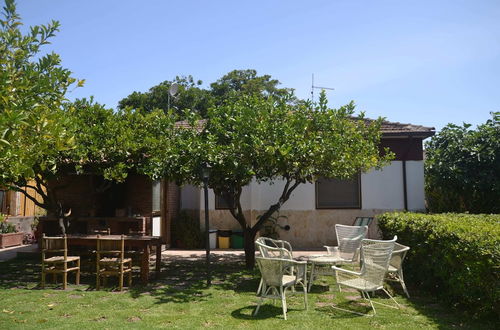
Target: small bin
column 224, row 238
column 212, row 238
column 237, row 239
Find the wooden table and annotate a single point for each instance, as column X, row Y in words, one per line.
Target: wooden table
column 142, row 242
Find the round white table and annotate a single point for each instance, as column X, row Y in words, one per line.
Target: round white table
column 318, row 265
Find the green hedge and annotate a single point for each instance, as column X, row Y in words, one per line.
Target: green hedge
column 455, row 256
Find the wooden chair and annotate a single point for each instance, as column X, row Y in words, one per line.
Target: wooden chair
column 59, row 262
column 111, row 261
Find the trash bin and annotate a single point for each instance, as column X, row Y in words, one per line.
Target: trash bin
column 212, row 238
column 224, row 237
column 237, row 239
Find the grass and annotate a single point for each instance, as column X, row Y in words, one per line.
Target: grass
column 180, row 299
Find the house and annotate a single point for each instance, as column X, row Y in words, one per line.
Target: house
column 311, row 212
column 314, row 208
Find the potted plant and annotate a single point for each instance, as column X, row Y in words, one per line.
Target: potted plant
column 9, row 235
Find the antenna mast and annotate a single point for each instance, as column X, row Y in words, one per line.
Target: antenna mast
column 317, row 87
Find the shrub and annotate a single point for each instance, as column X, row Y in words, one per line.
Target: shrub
column 186, row 231
column 455, row 256
column 462, row 171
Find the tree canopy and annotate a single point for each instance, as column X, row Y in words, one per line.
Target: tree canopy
column 267, row 138
column 190, row 96
column 193, row 97
column 33, row 127
column 462, row 168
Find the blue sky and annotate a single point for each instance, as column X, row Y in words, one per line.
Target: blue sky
column 422, row 62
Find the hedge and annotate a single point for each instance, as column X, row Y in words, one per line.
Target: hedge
column 455, row 256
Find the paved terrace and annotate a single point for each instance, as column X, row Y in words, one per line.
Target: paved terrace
column 11, row 253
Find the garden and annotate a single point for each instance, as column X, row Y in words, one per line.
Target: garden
column 180, row 299
column 242, row 129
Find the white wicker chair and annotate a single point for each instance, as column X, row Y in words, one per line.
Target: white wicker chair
column 276, row 278
column 395, row 271
column 375, row 257
column 348, row 242
column 347, row 250
column 272, row 248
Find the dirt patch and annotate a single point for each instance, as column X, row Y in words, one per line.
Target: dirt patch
column 324, row 304
column 134, row 319
column 75, row 296
column 100, row 319
column 352, row 297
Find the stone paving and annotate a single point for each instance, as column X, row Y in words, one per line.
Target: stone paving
column 10, row 253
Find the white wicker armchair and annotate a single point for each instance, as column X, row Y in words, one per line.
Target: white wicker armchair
column 272, row 248
column 276, row 278
column 395, row 271
column 348, row 242
column 375, row 257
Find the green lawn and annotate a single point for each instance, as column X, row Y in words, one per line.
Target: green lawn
column 179, row 299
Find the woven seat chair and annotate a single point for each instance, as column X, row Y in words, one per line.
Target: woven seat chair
column 111, row 261
column 375, row 257
column 272, row 248
column 276, row 278
column 348, row 242
column 363, row 221
column 395, row 271
column 347, row 250
column 59, row 262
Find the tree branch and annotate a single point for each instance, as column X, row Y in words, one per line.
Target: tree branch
column 287, row 191
column 25, row 193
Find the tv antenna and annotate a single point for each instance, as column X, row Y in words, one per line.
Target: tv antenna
column 172, row 91
column 317, row 87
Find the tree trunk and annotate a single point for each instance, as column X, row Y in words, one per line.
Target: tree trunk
column 249, row 239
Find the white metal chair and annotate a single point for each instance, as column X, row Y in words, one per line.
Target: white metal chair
column 375, row 257
column 272, row 248
column 347, row 250
column 276, row 278
column 395, row 271
column 348, row 242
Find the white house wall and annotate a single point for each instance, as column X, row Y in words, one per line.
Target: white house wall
column 415, row 185
column 383, row 189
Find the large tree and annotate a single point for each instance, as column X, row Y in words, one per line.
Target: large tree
column 190, row 95
column 33, row 127
column 462, row 168
column 266, row 139
column 193, row 97
column 106, row 144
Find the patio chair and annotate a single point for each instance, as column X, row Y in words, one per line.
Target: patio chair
column 272, row 248
column 111, row 261
column 348, row 243
column 395, row 271
column 276, row 278
column 59, row 262
column 347, row 250
column 363, row 221
column 375, row 257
